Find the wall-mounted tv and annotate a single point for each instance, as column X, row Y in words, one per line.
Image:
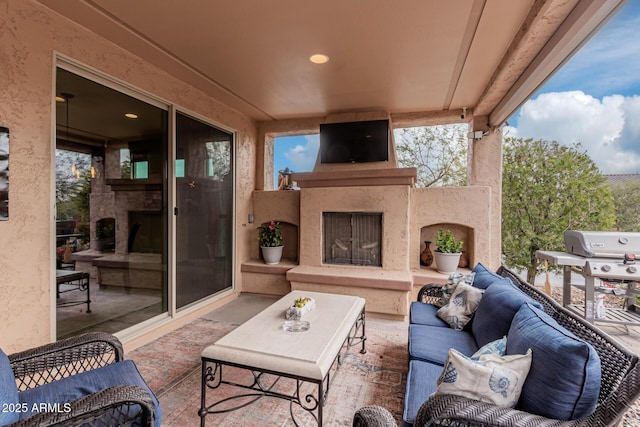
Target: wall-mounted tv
column 354, row 142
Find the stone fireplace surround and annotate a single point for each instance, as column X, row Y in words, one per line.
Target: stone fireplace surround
column 410, row 216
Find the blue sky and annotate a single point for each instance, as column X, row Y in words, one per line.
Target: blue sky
column 298, row 153
column 594, row 100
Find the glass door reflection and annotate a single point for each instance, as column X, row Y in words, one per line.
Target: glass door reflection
column 204, row 198
column 111, row 207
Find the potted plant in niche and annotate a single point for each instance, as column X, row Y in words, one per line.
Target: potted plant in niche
column 105, row 236
column 270, row 238
column 447, row 254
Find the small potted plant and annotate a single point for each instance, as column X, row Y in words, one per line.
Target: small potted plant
column 105, row 236
column 447, row 254
column 270, row 238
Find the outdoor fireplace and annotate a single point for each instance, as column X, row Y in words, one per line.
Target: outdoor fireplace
column 352, row 238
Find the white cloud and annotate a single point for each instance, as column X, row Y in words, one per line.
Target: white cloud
column 607, row 129
column 303, row 157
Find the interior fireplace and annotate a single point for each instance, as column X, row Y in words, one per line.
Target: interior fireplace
column 145, row 232
column 352, row 238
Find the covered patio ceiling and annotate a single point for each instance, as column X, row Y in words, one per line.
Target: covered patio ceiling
column 410, row 58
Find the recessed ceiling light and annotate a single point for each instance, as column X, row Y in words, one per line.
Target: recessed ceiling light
column 319, row 58
column 131, row 116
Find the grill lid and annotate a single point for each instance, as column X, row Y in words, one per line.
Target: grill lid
column 602, row 244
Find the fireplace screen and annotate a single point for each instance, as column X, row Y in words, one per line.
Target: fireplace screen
column 352, row 238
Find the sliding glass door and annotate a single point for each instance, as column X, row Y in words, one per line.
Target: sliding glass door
column 204, row 201
column 111, row 208
column 114, row 206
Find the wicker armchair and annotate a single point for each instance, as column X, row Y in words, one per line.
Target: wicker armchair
column 38, row 368
column 620, row 380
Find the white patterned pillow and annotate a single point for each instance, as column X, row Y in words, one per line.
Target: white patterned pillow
column 491, row 378
column 450, row 286
column 463, row 303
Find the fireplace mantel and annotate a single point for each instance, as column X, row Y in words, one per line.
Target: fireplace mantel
column 355, row 178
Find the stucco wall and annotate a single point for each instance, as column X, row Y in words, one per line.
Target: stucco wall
column 469, row 207
column 391, row 201
column 31, row 35
column 282, row 206
column 485, row 169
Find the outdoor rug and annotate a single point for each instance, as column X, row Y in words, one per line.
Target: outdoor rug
column 171, row 366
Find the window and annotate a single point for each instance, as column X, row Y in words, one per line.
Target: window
column 438, row 152
column 297, row 153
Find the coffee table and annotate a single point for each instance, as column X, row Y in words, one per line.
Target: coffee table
column 262, row 346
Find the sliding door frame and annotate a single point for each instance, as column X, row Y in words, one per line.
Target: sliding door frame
column 234, row 136
column 172, row 313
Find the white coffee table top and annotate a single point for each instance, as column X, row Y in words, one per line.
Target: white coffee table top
column 261, row 342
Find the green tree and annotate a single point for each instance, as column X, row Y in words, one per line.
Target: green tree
column 627, row 201
column 438, row 152
column 548, row 188
column 72, row 184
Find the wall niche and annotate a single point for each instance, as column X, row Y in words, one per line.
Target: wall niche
column 460, row 232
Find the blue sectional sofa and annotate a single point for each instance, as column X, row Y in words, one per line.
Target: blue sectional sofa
column 578, row 376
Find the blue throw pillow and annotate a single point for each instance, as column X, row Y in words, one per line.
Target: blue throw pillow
column 485, row 277
column 9, row 400
column 495, row 312
column 564, row 379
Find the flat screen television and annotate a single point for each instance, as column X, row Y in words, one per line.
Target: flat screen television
column 354, row 142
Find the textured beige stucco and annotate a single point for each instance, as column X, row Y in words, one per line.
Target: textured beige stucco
column 382, row 302
column 485, row 169
column 391, row 201
column 410, row 216
column 31, row 36
column 457, row 208
column 283, row 206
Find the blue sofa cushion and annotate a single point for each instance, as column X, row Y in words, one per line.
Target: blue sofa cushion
column 485, row 276
column 77, row 386
column 421, row 383
column 8, row 392
column 425, row 314
column 564, row 380
column 496, row 310
column 432, row 343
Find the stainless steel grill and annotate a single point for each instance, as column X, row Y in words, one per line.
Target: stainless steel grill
column 607, row 262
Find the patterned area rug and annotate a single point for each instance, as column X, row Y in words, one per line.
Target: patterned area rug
column 171, row 366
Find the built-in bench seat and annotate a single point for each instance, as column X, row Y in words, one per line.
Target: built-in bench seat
column 387, row 292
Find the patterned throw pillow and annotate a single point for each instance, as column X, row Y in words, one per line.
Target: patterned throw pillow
column 463, row 303
column 497, row 347
column 491, row 378
column 450, row 286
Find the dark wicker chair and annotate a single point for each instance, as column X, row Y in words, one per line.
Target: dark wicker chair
column 620, row 384
column 120, row 405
